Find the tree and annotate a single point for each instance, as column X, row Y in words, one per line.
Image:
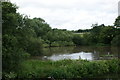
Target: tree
column 40, row 26
column 78, row 40
column 93, row 37
column 12, row 53
column 117, row 22
column 116, row 41
column 107, row 34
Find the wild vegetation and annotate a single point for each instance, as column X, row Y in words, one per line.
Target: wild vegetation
column 23, row 37
column 66, row 69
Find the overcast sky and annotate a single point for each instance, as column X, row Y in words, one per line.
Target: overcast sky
column 70, row 14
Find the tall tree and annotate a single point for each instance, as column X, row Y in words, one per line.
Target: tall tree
column 117, row 22
column 12, row 53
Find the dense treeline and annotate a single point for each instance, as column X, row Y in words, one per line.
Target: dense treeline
column 23, row 37
column 81, row 30
column 103, row 35
column 99, row 35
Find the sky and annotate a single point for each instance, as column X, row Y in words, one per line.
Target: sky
column 70, row 14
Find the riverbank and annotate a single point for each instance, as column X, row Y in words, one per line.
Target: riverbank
column 68, row 68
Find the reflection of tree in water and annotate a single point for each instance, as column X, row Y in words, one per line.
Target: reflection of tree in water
column 58, row 50
column 116, row 51
column 97, row 51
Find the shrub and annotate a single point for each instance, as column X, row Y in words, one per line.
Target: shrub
column 116, row 41
column 68, row 68
column 35, row 46
column 78, row 40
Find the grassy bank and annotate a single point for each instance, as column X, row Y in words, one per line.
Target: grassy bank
column 68, row 68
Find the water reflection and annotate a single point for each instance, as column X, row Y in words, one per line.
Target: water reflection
column 81, row 55
column 82, row 52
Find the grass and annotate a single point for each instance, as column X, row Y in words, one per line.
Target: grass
column 68, row 68
column 107, row 55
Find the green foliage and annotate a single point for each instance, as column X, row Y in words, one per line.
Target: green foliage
column 117, row 22
column 107, row 34
column 58, row 73
column 101, row 35
column 78, row 40
column 19, row 38
column 57, row 37
column 13, row 54
column 40, row 27
column 116, row 41
column 68, row 68
column 113, row 66
column 10, row 75
column 35, row 46
column 82, row 31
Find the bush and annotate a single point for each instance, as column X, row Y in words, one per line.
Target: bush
column 78, row 40
column 116, row 41
column 58, row 73
column 113, row 66
column 69, row 68
column 12, row 55
column 35, row 46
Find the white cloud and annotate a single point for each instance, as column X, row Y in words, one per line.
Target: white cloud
column 70, row 14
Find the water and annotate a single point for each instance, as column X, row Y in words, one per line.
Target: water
column 80, row 55
column 81, row 52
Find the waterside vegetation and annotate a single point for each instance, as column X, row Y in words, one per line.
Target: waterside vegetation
column 66, row 69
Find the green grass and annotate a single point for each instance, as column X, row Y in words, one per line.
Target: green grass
column 107, row 55
column 68, row 68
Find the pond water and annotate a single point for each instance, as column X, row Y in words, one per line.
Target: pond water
column 81, row 52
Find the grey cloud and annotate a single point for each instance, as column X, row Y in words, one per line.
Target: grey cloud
column 71, row 14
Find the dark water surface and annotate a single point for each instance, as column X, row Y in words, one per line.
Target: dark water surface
column 81, row 52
